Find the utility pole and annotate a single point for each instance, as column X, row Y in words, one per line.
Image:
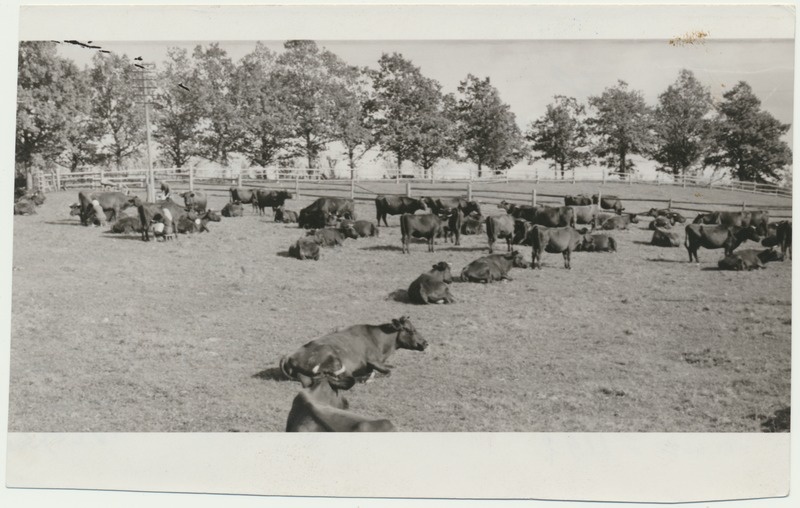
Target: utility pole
column 144, row 95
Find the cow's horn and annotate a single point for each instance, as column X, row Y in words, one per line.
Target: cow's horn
column 315, row 369
column 340, row 371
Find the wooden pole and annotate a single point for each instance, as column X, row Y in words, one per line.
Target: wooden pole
column 604, row 176
column 573, row 176
column 191, row 178
column 537, row 175
column 669, row 205
column 469, row 191
column 684, row 179
column 296, row 186
column 533, row 197
column 743, row 205
column 408, row 189
column 239, row 179
column 352, row 189
column 58, row 179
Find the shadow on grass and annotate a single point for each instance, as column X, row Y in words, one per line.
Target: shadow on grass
column 780, row 421
column 284, row 254
column 662, row 260
column 63, row 223
column 466, row 249
column 128, row 236
column 272, row 374
column 382, row 247
column 400, row 295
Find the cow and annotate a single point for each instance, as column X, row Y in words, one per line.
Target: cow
column 37, row 197
column 305, row 248
column 316, row 219
column 585, row 214
column 101, row 202
column 443, row 206
column 727, row 219
column 127, row 224
column 579, row 200
column 661, row 222
column 353, row 352
column 748, row 259
column 166, row 212
column 601, row 217
column 500, row 226
column 526, row 212
column 320, row 408
column 554, row 240
column 396, row 205
column 332, row 237
column 597, row 243
column 759, row 219
column 671, row 216
column 428, row 226
column 233, row 209
column 432, row 286
column 716, row 237
column 363, row 228
column 340, row 207
column 194, row 223
column 195, row 200
column 663, row 238
column 552, row 217
column 493, row 267
column 608, row 202
column 285, row 216
column 620, row 221
column 453, row 227
column 472, row 225
column 521, row 230
column 24, row 207
column 273, row 199
column 784, row 235
column 243, row 196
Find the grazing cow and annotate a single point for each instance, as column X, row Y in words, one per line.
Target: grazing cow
column 428, row 226
column 363, row 228
column 608, row 202
column 340, row 207
column 748, row 259
column 473, row 225
column 554, row 240
column 100, row 202
column 305, row 248
column 620, row 221
column 193, row 223
column 660, row 222
column 443, row 206
column 195, row 200
column 234, row 209
column 662, row 238
column 24, row 207
column 579, row 200
column 500, row 226
column 321, row 409
column 453, row 227
column 332, row 237
column 716, row 237
column 243, row 196
column 432, row 286
column 273, row 199
column 285, row 216
column 493, row 267
column 352, row 352
column 671, row 216
column 597, row 243
column 526, row 212
column 585, row 214
column 127, row 224
column 396, row 205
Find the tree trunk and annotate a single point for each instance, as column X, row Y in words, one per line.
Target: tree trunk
column 562, row 170
column 622, row 168
column 480, row 169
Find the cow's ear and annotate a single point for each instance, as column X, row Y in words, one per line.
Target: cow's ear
column 396, row 324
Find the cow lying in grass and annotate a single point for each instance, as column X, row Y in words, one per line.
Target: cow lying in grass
column 320, row 408
column 597, row 243
column 197, row 223
column 662, row 238
column 332, row 237
column 432, row 286
column 363, row 228
column 284, row 215
column 353, row 352
column 749, row 259
column 492, row 267
column 305, row 248
column 233, row 209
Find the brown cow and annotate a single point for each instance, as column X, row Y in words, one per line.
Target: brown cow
column 428, row 226
column 716, row 237
column 432, row 286
column 493, row 267
column 500, row 226
column 554, row 240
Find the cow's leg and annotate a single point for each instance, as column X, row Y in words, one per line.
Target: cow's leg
column 458, row 236
column 566, row 259
column 491, row 246
column 509, row 242
column 430, row 244
column 379, row 366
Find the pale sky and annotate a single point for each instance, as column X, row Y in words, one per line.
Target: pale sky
column 529, row 73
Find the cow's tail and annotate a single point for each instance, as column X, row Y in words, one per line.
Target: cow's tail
column 612, row 243
column 282, row 365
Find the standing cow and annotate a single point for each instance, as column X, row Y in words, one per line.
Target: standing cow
column 396, row 205
column 554, row 240
column 716, row 237
column 428, row 226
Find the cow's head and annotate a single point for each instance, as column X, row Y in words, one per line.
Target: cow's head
column 748, row 233
column 134, row 201
column 212, row 216
column 517, row 259
column 505, row 205
column 407, row 336
column 74, row 209
column 768, row 255
column 472, row 207
column 444, row 267
column 348, row 230
column 633, row 217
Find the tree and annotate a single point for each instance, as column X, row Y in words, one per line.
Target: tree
column 80, row 133
column 561, row 136
column 622, row 126
column 352, row 115
column 119, row 118
column 748, row 140
column 487, row 129
column 177, row 113
column 220, row 130
column 264, row 116
column 683, row 127
column 410, row 116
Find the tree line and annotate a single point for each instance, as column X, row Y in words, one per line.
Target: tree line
column 274, row 108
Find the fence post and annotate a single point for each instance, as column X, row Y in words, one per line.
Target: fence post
column 573, row 175
column 506, row 175
column 102, row 177
column 58, row 179
column 191, row 178
column 408, row 189
column 599, row 200
column 469, row 191
column 603, row 172
column 630, row 178
column 533, row 197
column 537, row 175
column 352, row 189
column 743, row 205
column 239, row 179
column 669, row 205
column 296, row 186
column 754, row 186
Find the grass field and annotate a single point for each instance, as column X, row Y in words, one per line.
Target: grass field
column 113, row 334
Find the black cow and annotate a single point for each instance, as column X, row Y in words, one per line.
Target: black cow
column 716, row 237
column 554, row 240
column 579, row 200
column 24, row 207
column 284, row 215
column 500, row 226
column 396, row 205
column 321, row 409
column 432, row 286
column 759, row 219
column 127, row 224
column 195, row 200
column 194, row 223
column 37, row 197
column 472, row 225
column 620, row 221
column 608, row 202
column 661, row 222
column 428, row 226
column 671, row 216
column 101, row 202
column 493, row 267
column 243, row 196
column 305, row 248
column 315, row 219
column 526, row 212
column 363, row 228
column 598, row 243
column 340, row 207
column 662, row 238
column 453, row 227
column 273, row 199
column 233, row 209
column 522, row 229
column 443, row 206
column 785, row 238
column 352, row 352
